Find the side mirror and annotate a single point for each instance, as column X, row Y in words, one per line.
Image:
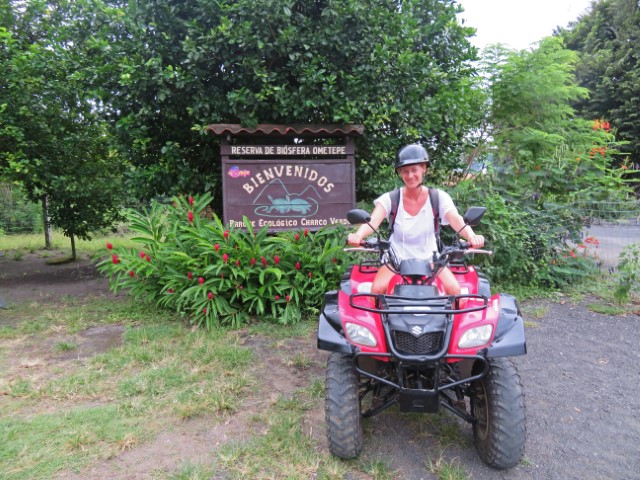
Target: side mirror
column 358, row 216
column 474, row 215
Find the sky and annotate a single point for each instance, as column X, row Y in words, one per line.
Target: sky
column 518, row 23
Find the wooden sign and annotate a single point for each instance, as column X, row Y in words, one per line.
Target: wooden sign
column 288, row 186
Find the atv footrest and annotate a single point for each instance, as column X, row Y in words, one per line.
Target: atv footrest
column 414, row 400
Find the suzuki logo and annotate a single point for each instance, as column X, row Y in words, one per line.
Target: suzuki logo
column 416, row 330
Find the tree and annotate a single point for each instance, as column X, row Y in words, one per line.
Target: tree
column 401, row 68
column 547, row 164
column 549, row 151
column 52, row 138
column 607, row 40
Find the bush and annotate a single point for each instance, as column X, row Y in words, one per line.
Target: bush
column 628, row 273
column 224, row 276
column 531, row 244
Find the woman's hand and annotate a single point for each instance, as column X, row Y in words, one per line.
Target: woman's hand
column 354, row 240
column 476, row 241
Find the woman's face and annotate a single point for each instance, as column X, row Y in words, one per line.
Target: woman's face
column 412, row 174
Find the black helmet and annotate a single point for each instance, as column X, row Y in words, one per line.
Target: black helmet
column 410, row 155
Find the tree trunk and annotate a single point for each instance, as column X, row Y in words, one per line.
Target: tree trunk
column 73, row 247
column 47, row 224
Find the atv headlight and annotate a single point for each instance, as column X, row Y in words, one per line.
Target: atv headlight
column 360, row 334
column 475, row 337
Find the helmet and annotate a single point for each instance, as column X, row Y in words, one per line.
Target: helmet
column 410, row 155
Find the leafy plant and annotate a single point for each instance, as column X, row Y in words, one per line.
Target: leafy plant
column 628, row 273
column 223, row 276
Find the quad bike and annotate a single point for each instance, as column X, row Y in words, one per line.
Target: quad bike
column 422, row 349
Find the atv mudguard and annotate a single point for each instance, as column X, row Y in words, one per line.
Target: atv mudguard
column 329, row 326
column 509, row 340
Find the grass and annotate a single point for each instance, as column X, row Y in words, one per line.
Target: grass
column 66, row 418
column 17, row 246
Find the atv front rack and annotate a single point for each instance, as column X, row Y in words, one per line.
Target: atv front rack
column 399, row 304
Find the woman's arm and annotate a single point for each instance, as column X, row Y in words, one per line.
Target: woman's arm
column 364, row 230
column 457, row 222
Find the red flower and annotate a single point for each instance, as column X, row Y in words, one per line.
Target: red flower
column 297, row 236
column 190, row 216
column 264, row 261
column 297, row 265
column 201, row 280
column 216, row 247
column 109, row 246
column 237, row 263
column 226, row 234
column 190, row 275
column 306, row 232
column 334, row 260
column 170, row 290
column 225, row 258
column 210, row 295
column 240, row 287
column 115, row 259
column 287, row 298
column 131, row 273
column 310, row 274
column 147, row 258
column 277, row 297
column 572, row 253
column 142, row 254
column 253, row 261
column 190, row 200
column 276, row 259
column 204, row 310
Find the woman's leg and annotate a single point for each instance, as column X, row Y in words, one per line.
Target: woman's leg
column 381, row 280
column 451, row 285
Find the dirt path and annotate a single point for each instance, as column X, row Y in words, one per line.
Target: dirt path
column 580, row 378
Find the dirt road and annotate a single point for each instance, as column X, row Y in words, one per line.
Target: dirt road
column 580, row 378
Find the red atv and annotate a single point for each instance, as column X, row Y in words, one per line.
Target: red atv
column 423, row 350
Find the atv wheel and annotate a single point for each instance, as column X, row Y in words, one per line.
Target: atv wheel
column 498, row 405
column 342, row 407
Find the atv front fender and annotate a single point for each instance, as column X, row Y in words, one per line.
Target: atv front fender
column 329, row 339
column 509, row 340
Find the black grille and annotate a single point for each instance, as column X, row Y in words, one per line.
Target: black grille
column 425, row 344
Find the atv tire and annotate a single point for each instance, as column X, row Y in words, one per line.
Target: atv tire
column 342, row 407
column 497, row 403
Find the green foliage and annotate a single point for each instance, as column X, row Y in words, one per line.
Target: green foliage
column 543, row 161
column 17, row 213
column 606, row 40
column 628, row 274
column 532, row 246
column 53, row 140
column 223, row 276
column 401, row 69
column 544, row 154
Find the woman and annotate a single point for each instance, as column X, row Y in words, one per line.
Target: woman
column 414, row 233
